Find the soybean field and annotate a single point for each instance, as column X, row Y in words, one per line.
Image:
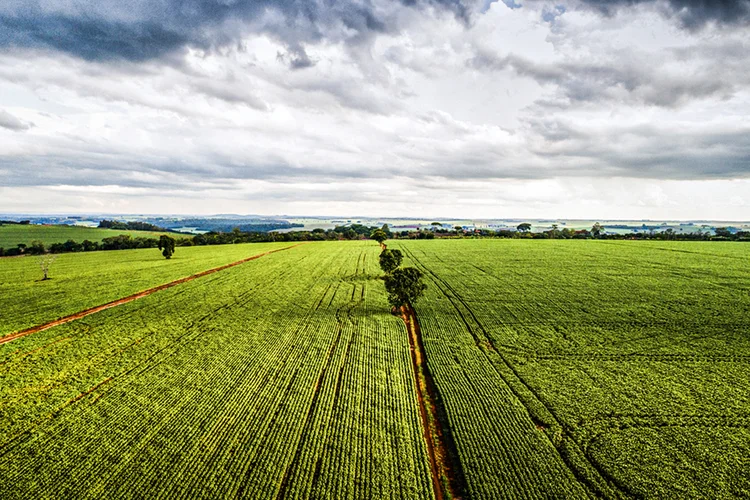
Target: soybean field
column 559, row 369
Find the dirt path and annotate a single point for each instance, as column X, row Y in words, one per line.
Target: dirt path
column 447, row 476
column 130, row 298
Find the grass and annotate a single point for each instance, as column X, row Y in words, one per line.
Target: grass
column 13, row 234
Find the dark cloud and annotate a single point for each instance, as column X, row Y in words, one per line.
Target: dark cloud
column 140, row 30
column 10, row 122
column 692, row 14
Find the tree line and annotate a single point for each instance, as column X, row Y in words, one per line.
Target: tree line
column 360, row 232
column 404, row 285
column 597, row 231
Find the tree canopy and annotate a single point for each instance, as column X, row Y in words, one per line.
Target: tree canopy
column 379, row 236
column 404, row 286
column 166, row 245
column 390, row 260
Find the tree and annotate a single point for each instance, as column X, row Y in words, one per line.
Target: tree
column 723, row 232
column 166, row 245
column 597, row 229
column 458, row 228
column 524, row 227
column 386, row 230
column 390, row 260
column 45, row 261
column 404, row 286
column 379, row 236
column 36, row 248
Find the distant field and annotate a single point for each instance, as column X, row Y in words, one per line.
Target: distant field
column 564, row 369
column 13, row 234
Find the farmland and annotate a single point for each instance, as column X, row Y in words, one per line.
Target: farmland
column 13, row 234
column 632, row 359
column 566, row 369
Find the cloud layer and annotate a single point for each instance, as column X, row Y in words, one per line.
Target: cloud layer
column 344, row 104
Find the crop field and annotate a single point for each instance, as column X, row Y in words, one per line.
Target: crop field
column 562, row 369
column 632, row 360
column 83, row 280
column 13, row 234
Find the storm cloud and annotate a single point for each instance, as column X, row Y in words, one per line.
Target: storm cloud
column 140, row 30
column 691, row 14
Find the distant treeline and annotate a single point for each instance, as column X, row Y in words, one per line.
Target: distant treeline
column 227, row 224
column 126, row 242
column 8, row 222
column 597, row 232
column 361, row 232
column 130, row 226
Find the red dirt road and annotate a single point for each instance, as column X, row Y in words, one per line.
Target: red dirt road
column 130, row 298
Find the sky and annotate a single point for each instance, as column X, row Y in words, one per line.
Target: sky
column 611, row 109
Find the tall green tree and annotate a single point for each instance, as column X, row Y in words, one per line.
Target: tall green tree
column 166, row 245
column 404, row 286
column 524, row 227
column 379, row 236
column 390, row 260
column 597, row 229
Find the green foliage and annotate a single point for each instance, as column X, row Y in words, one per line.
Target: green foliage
column 379, row 236
column 390, row 260
column 524, row 227
column 276, row 378
column 565, row 369
column 166, row 245
column 630, row 357
column 36, row 248
column 131, row 225
column 404, row 286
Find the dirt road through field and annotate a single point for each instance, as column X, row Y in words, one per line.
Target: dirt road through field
column 447, row 476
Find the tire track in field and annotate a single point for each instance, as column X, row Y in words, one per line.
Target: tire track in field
column 131, row 298
column 487, row 347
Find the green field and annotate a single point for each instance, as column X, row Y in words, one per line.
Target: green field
column 13, row 234
column 564, row 369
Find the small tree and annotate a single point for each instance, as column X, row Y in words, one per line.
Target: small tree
column 166, row 245
column 45, row 261
column 524, row 227
column 404, row 286
column 390, row 260
column 379, row 236
column 597, row 229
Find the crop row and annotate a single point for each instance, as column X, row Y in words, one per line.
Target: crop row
column 275, row 378
column 578, row 330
